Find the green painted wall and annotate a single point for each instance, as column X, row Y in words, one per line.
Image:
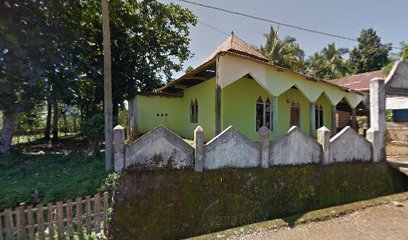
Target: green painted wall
column 178, row 111
column 150, row 110
column 238, row 106
column 285, row 101
column 239, row 103
column 205, row 94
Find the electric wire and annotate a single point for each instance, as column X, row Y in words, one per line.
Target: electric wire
column 271, row 21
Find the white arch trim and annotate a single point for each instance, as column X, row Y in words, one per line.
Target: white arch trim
column 232, row 68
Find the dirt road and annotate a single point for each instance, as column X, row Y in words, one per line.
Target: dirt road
column 389, row 221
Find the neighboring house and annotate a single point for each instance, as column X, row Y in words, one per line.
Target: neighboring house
column 361, row 82
column 238, row 86
column 399, row 107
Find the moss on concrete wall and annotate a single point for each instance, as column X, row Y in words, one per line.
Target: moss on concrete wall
column 183, row 203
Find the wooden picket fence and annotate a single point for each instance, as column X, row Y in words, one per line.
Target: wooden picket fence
column 82, row 217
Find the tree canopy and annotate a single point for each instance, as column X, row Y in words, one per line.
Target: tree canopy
column 54, row 51
column 328, row 64
column 283, row 52
column 370, row 54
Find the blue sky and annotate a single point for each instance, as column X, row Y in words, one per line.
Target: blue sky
column 345, row 17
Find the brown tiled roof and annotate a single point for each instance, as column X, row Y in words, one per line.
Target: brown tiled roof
column 360, row 82
column 234, row 44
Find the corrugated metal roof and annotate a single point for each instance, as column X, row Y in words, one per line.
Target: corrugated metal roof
column 360, row 82
column 235, row 44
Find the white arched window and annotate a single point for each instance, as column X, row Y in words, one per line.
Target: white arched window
column 263, row 114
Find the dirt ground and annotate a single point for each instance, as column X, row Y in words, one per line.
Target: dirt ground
column 388, row 221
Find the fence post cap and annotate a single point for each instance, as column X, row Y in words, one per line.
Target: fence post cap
column 264, row 131
column 118, row 127
column 323, row 129
column 199, row 129
column 372, row 130
column 377, row 79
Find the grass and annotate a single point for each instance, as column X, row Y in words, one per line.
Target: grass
column 59, row 171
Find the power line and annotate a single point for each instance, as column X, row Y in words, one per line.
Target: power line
column 274, row 22
column 213, row 28
column 218, row 30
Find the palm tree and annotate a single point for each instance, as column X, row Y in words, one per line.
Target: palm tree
column 284, row 53
column 334, row 58
column 328, row 64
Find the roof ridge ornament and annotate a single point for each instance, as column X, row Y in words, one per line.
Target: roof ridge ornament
column 232, row 38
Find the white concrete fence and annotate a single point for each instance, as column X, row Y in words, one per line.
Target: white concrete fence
column 160, row 148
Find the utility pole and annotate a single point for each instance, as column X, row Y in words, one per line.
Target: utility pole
column 107, row 75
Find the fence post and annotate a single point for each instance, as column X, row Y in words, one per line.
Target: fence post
column 60, row 220
column 377, row 118
column 88, row 214
column 69, row 219
column 80, row 230
column 40, row 221
column 97, row 212
column 105, row 213
column 8, row 217
column 264, row 134
column 323, row 137
column 199, row 149
column 119, row 148
column 50, row 219
column 20, row 222
column 373, row 136
column 1, row 227
column 30, row 222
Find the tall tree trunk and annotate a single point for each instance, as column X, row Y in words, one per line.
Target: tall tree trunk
column 55, row 121
column 9, row 118
column 64, row 117
column 48, row 121
column 107, row 73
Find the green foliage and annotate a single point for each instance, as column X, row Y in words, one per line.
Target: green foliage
column 183, row 203
column 53, row 51
column 93, row 129
column 402, row 55
column 29, row 122
column 56, row 176
column 189, row 69
column 328, row 64
column 388, row 115
column 149, row 41
column 20, row 55
column 93, row 126
column 370, row 54
column 284, row 53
